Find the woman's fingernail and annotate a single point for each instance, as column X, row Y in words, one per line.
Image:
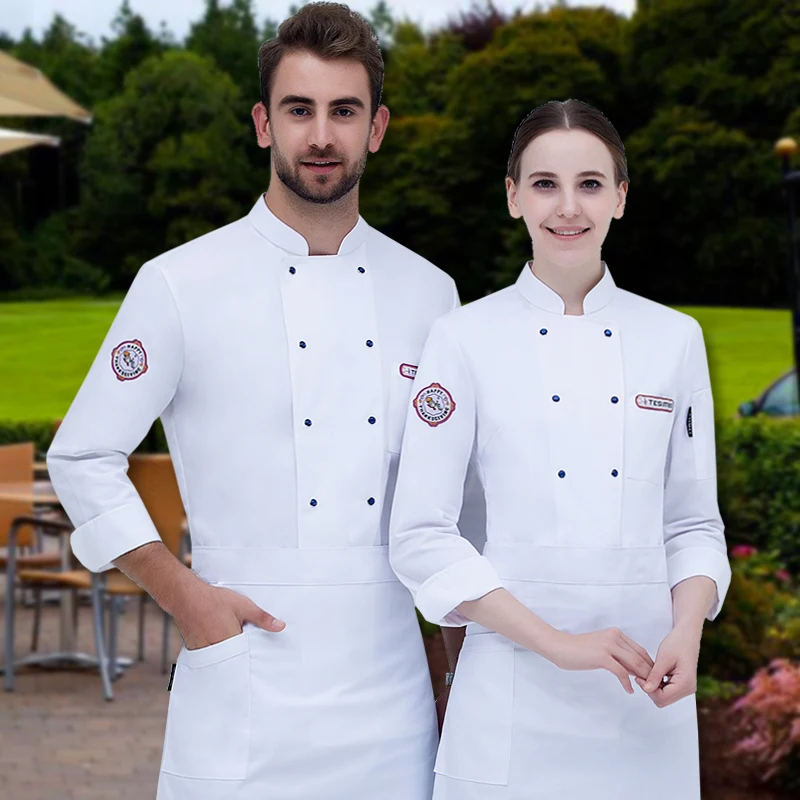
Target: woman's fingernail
column 280, row 625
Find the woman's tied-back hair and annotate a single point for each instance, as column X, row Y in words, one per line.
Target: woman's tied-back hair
column 328, row 30
column 567, row 115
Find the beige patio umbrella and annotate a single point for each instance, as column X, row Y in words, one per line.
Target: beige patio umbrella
column 26, row 92
column 17, row 140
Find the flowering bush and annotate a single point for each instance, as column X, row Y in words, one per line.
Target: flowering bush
column 760, row 619
column 770, row 719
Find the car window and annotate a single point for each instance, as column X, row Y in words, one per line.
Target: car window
column 782, row 397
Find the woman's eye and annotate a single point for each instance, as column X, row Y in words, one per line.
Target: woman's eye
column 592, row 180
column 542, row 181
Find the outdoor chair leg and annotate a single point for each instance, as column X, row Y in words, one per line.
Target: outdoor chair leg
column 37, row 619
column 97, row 614
column 112, row 638
column 142, row 599
column 75, row 616
column 8, row 667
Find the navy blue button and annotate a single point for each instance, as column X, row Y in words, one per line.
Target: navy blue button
column 543, row 331
column 371, row 501
column 313, row 502
column 371, row 420
column 361, row 269
column 614, row 473
column 292, row 270
column 369, row 342
column 607, row 332
column 556, row 398
column 561, row 473
column 308, row 422
column 615, row 399
column 302, row 344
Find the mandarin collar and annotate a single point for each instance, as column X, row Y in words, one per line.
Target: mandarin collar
column 287, row 238
column 538, row 293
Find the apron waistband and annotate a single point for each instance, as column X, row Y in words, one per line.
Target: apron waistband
column 579, row 565
column 293, row 566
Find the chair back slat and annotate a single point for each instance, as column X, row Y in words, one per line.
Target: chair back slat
column 16, row 467
column 153, row 476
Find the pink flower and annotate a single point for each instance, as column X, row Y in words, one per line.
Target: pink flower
column 783, row 575
column 743, row 551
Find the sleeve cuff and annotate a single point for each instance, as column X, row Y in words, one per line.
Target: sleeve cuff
column 706, row 561
column 98, row 542
column 468, row 579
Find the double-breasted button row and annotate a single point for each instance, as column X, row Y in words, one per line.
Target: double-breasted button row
column 313, row 501
column 562, row 473
column 293, row 270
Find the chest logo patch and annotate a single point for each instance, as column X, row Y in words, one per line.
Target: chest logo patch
column 653, row 403
column 129, row 360
column 434, row 404
column 408, row 371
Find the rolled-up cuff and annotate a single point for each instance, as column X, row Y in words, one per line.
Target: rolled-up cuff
column 707, row 561
column 98, row 542
column 469, row 579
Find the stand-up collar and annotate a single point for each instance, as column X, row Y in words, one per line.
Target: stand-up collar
column 538, row 293
column 287, row 238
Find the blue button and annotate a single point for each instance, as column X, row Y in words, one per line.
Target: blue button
column 614, row 473
column 292, row 270
column 561, row 473
column 313, row 502
column 615, row 399
column 371, row 501
column 302, row 344
column 556, row 398
column 308, row 422
column 361, row 269
column 369, row 343
column 371, row 420
column 543, row 331
column 607, row 332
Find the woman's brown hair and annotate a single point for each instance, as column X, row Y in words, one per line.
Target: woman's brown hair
column 328, row 30
column 567, row 115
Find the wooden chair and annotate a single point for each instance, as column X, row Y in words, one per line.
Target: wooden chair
column 153, row 476
column 17, row 468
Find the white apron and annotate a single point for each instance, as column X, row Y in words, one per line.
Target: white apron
column 598, row 502
column 282, row 381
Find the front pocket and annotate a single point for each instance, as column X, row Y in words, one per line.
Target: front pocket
column 647, row 431
column 208, row 720
column 476, row 736
column 400, row 387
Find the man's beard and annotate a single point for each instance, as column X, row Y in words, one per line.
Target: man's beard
column 327, row 191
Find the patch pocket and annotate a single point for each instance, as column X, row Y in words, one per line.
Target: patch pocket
column 208, row 719
column 702, row 438
column 401, row 382
column 476, row 736
column 647, row 431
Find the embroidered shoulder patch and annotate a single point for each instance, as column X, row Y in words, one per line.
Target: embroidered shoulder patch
column 408, row 371
column 129, row 360
column 652, row 403
column 434, row 404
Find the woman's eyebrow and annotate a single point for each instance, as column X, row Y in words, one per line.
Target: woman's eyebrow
column 589, row 173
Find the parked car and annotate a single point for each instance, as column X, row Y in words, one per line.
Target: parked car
column 780, row 399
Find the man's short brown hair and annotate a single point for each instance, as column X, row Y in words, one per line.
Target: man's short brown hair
column 328, row 30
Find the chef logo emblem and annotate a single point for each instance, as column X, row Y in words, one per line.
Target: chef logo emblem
column 408, row 371
column 653, row 403
column 434, row 404
column 129, row 360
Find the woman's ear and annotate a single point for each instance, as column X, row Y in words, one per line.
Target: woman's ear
column 511, row 196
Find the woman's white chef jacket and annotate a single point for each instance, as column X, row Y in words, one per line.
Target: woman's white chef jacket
column 282, row 381
column 593, row 437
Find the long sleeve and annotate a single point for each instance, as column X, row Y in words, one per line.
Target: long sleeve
column 440, row 567
column 693, row 529
column 131, row 381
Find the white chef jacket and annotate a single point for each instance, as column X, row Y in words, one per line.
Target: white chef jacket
column 593, row 430
column 282, row 381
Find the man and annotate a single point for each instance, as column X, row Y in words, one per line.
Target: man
column 279, row 352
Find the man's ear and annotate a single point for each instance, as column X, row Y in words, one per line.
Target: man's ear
column 261, row 122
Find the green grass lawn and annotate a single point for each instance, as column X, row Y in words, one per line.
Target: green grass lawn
column 46, row 349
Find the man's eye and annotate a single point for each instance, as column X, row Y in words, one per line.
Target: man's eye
column 348, row 111
column 298, row 109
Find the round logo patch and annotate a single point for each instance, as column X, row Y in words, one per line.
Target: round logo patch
column 434, row 404
column 129, row 360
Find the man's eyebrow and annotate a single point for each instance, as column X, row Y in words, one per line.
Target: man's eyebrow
column 589, row 173
column 292, row 99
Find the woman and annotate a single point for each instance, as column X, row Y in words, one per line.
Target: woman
column 587, row 412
